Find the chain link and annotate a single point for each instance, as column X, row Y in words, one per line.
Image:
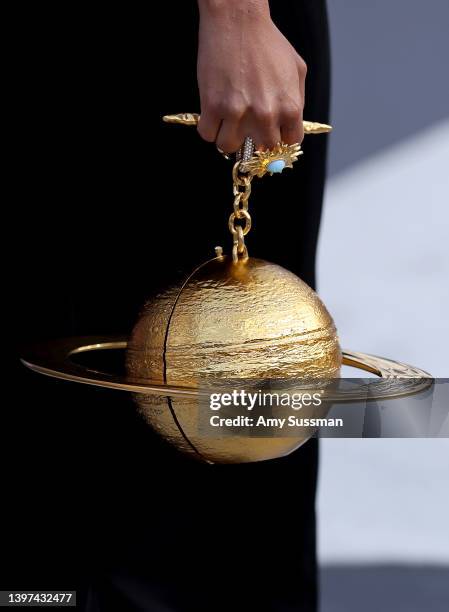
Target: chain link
column 242, row 191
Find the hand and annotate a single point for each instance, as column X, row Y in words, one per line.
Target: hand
column 250, row 78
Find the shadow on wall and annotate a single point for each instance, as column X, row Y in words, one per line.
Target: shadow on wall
column 389, row 62
column 390, row 588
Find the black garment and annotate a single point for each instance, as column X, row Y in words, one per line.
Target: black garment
column 93, row 499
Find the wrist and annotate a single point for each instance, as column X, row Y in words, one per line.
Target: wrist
column 236, row 9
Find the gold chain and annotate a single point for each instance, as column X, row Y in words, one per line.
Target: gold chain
column 242, row 191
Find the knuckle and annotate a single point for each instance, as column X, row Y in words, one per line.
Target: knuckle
column 216, row 108
column 302, row 65
column 225, row 108
column 234, row 109
column 291, row 113
column 264, row 114
column 210, row 104
column 206, row 133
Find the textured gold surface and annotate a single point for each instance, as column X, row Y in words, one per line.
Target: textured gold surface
column 55, row 358
column 310, row 127
column 244, row 321
column 258, row 164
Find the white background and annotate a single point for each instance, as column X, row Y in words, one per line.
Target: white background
column 384, row 268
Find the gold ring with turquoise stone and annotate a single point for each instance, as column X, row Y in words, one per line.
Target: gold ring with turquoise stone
column 271, row 161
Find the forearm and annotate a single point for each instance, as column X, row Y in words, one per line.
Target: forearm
column 234, row 8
